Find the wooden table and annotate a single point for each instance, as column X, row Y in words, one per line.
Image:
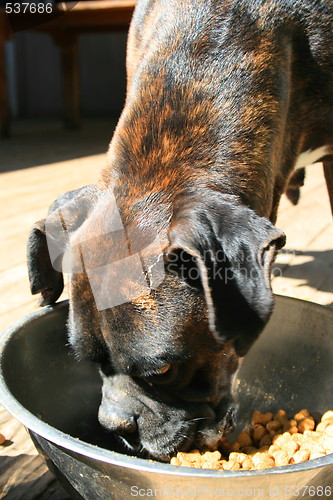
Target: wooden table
column 64, row 24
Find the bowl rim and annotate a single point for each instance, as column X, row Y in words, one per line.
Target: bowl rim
column 68, row 442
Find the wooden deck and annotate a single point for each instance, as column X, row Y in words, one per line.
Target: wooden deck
column 40, row 162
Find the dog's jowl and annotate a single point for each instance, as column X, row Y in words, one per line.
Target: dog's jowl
column 169, row 255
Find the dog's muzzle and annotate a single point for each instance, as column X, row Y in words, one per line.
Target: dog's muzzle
column 152, row 428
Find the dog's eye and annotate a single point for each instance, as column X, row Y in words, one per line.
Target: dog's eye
column 165, row 375
column 165, row 369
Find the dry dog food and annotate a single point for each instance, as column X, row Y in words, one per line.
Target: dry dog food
column 272, row 440
column 2, row 439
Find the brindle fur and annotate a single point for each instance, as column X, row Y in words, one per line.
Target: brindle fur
column 222, row 97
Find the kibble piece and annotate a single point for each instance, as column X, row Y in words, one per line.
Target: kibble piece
column 210, row 463
column 190, row 459
column 240, row 457
column 272, row 449
column 259, row 431
column 307, row 424
column 2, row 439
column 216, row 454
column 297, row 437
column 191, row 456
column 328, row 415
column 211, row 460
column 256, row 417
column 291, row 448
column 265, row 441
column 329, row 430
column 281, row 416
column 321, row 427
column 314, row 435
column 244, row 439
column 267, row 417
column 247, row 464
column 261, row 418
column 301, row 415
column 300, row 456
column 327, row 443
column 281, row 439
column 286, row 443
column 276, row 433
column 272, row 441
column 314, row 455
column 262, row 461
column 273, row 425
column 231, row 465
column 289, row 424
column 281, row 458
column 211, row 456
column 312, row 447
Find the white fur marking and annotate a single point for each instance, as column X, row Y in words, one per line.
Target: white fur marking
column 311, row 156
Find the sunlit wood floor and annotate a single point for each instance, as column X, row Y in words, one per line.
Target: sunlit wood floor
column 41, row 161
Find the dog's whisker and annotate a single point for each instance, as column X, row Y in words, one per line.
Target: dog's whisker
column 198, row 419
column 186, row 438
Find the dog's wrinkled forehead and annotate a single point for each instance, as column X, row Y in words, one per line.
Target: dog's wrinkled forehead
column 167, row 324
column 109, row 235
column 132, row 353
column 122, row 260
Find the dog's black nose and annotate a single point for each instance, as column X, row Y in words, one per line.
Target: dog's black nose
column 117, row 420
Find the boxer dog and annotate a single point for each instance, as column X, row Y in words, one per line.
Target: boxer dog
column 224, row 99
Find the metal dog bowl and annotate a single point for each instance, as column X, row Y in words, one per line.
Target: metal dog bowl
column 57, row 398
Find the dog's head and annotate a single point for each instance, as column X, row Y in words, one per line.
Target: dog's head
column 165, row 309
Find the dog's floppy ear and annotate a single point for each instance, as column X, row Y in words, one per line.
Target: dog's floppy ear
column 233, row 249
column 44, row 269
column 44, row 279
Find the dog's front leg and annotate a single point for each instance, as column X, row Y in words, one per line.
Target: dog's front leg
column 328, row 172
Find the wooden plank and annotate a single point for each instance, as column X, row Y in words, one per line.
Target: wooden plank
column 22, row 304
column 11, row 299
column 304, row 268
column 4, row 107
column 10, row 317
column 13, row 250
column 328, row 173
column 307, row 220
column 42, row 185
column 314, row 180
column 58, row 175
column 305, row 279
column 308, row 274
column 25, row 197
column 23, row 473
column 68, row 44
